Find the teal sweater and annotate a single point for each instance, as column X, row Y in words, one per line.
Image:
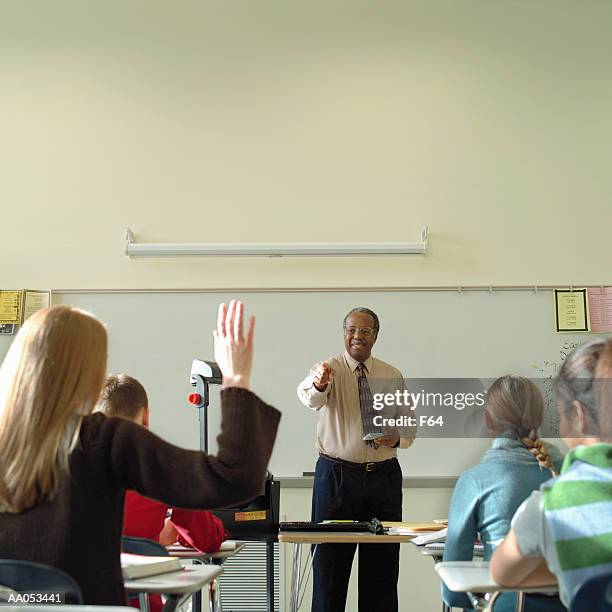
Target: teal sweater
column 484, row 501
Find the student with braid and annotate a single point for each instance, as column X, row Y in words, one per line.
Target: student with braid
column 563, row 532
column 487, row 495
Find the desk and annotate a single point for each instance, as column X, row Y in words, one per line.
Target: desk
column 473, row 578
column 340, row 537
column 216, row 558
column 175, row 585
column 435, row 550
column 297, row 538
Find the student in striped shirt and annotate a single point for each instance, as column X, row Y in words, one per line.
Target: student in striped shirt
column 563, row 532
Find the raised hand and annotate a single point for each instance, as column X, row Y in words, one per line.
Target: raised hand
column 234, row 351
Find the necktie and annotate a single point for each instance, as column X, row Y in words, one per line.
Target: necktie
column 365, row 404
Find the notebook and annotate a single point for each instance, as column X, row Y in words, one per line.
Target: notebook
column 410, row 528
column 142, row 566
column 430, row 538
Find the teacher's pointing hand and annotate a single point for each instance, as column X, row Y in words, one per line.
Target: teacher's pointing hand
column 322, row 376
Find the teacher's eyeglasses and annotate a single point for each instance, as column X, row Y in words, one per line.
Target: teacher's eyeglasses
column 364, row 331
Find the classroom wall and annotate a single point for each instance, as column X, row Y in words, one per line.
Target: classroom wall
column 324, row 120
column 341, row 120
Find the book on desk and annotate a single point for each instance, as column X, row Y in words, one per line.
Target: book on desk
column 430, row 538
column 142, row 566
column 416, row 529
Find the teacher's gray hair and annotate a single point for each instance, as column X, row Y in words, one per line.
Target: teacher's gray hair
column 363, row 310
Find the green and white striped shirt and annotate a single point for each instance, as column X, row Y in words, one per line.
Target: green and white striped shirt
column 569, row 521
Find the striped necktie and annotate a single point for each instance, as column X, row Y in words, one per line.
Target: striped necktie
column 365, row 404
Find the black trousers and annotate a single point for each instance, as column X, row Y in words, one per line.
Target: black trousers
column 342, row 492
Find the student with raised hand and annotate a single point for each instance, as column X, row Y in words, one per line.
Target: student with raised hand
column 487, row 495
column 63, row 469
column 563, row 532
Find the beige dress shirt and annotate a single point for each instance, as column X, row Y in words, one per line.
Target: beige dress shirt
column 340, row 430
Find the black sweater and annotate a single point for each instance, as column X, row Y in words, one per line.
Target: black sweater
column 79, row 531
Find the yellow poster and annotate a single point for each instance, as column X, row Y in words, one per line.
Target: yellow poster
column 10, row 307
column 571, row 310
column 33, row 301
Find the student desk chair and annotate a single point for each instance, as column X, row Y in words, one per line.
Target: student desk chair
column 435, row 550
column 176, row 586
column 27, row 576
column 595, row 595
column 142, row 546
column 473, row 578
column 217, row 558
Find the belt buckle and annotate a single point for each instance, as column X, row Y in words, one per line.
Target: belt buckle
column 370, row 467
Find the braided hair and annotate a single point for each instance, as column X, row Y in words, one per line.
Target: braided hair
column 539, row 450
column 515, row 404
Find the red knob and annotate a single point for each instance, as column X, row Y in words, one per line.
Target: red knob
column 194, row 398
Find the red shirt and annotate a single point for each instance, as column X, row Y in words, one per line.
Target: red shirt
column 145, row 518
column 200, row 529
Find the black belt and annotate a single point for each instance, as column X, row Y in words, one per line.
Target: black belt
column 371, row 466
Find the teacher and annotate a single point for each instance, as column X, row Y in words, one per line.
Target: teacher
column 354, row 478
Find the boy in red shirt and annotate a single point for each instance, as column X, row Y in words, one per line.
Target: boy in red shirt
column 123, row 396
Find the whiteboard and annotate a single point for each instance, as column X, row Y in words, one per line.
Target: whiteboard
column 154, row 337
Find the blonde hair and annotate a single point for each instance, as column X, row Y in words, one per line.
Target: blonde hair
column 50, row 378
column 515, row 404
column 539, row 450
column 122, row 396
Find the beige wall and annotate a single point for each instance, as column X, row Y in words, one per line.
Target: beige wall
column 323, row 120
column 419, row 587
column 342, row 120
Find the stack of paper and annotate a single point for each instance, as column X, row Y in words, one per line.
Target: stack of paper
column 438, row 547
column 409, row 528
column 430, row 538
column 140, row 566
